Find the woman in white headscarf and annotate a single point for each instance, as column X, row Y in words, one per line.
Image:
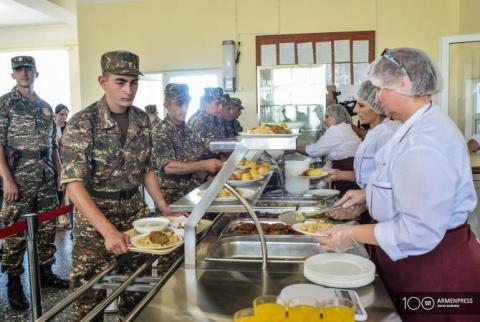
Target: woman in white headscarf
column 381, row 130
column 421, row 194
column 339, row 143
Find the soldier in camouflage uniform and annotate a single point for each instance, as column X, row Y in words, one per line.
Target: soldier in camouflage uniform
column 232, row 109
column 29, row 164
column 205, row 122
column 107, row 156
column 152, row 114
column 174, row 147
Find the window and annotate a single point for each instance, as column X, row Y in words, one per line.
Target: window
column 152, row 84
column 345, row 54
column 53, row 82
column 150, row 91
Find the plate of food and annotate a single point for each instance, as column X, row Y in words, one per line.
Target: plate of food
column 265, row 130
column 157, row 240
column 312, row 227
column 312, row 174
column 260, row 167
column 226, row 196
column 244, row 177
column 147, row 225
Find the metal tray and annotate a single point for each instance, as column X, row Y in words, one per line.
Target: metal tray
column 228, row 229
column 280, row 249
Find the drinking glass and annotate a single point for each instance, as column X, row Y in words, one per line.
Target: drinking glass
column 268, row 307
column 303, row 309
column 338, row 310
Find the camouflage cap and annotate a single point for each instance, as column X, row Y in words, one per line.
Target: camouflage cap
column 120, row 62
column 23, row 61
column 150, row 109
column 177, row 92
column 224, row 99
column 212, row 93
column 235, row 102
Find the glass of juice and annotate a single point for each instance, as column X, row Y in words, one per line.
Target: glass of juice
column 303, row 309
column 338, row 310
column 269, row 308
column 245, row 315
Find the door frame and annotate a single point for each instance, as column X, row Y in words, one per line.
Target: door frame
column 445, row 43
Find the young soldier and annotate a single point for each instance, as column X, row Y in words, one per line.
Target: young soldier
column 107, row 156
column 152, row 114
column 174, row 147
column 205, row 123
column 229, row 117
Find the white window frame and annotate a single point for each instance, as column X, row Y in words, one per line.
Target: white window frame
column 166, row 77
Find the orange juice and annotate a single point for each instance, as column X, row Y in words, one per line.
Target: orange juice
column 270, row 310
column 250, row 319
column 338, row 314
column 302, row 312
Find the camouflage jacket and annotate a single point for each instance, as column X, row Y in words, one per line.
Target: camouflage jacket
column 93, row 152
column 207, row 127
column 173, row 142
column 155, row 121
column 230, row 129
column 27, row 124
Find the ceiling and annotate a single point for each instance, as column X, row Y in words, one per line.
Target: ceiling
column 17, row 13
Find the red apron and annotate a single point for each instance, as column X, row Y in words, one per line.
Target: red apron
column 345, row 165
column 452, row 266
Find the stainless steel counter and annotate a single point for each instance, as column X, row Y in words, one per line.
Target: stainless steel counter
column 215, row 290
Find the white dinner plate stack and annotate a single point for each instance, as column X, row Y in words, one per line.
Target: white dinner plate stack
column 339, row 270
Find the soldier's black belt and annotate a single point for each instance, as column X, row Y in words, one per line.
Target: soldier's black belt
column 113, row 195
column 33, row 154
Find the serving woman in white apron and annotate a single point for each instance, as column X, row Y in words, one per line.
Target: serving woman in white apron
column 381, row 130
column 421, row 193
column 339, row 143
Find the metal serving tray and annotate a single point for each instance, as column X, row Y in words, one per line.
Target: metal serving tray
column 280, row 249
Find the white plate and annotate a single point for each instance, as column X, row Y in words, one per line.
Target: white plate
column 298, row 227
column 134, row 240
column 156, row 224
column 312, row 177
column 324, row 192
column 241, row 183
column 339, row 270
column 245, row 192
column 255, row 135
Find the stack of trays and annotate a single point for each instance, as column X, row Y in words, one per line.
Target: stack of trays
column 339, row 270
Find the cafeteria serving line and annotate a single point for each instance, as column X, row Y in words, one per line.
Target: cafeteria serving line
column 303, row 165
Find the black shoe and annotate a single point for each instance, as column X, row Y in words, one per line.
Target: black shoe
column 49, row 279
column 16, row 297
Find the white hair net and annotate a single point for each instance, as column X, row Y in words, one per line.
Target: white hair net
column 367, row 92
column 408, row 71
column 339, row 113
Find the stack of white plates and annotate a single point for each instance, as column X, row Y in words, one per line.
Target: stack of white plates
column 339, row 270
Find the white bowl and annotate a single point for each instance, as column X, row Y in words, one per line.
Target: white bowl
column 147, row 225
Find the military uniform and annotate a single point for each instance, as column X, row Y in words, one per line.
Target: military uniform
column 28, row 134
column 172, row 142
column 152, row 109
column 206, row 126
column 231, row 128
column 112, row 173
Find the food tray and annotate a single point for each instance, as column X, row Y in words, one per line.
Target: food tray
column 229, row 229
column 202, row 225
